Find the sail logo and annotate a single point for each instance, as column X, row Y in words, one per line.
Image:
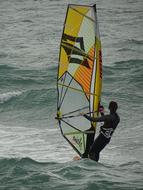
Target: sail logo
column 78, row 141
column 74, row 48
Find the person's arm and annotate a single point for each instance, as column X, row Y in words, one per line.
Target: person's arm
column 97, row 119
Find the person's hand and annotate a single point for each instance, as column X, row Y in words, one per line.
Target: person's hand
column 101, row 109
column 81, row 114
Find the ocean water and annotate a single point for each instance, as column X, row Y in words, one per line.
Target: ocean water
column 33, row 154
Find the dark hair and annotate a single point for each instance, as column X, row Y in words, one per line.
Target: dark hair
column 113, row 106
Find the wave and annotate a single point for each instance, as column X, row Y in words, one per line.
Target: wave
column 130, row 47
column 27, row 21
column 24, row 172
column 131, row 70
column 13, row 75
column 123, row 66
column 3, row 55
column 134, row 42
column 35, row 99
column 130, row 164
column 4, row 97
column 83, row 174
column 29, row 174
column 6, row 67
column 26, row 163
column 15, row 161
column 128, row 63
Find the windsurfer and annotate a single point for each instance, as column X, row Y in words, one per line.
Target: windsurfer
column 110, row 123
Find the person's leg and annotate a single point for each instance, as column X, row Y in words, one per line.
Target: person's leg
column 98, row 145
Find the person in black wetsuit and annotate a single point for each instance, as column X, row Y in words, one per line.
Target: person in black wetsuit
column 106, row 131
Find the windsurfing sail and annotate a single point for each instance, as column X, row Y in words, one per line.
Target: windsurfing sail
column 79, row 78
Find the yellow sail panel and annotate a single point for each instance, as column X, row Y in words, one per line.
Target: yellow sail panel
column 74, row 19
column 75, row 16
column 63, row 63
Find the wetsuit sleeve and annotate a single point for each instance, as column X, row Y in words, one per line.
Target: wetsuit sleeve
column 97, row 119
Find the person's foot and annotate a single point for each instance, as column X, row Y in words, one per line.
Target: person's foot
column 76, row 158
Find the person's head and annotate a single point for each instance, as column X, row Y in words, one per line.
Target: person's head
column 113, row 106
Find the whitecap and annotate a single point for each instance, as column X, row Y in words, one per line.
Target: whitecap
column 4, row 97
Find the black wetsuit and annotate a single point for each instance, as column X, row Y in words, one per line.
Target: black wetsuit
column 110, row 123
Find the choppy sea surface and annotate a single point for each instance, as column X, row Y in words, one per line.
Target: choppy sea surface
column 33, row 154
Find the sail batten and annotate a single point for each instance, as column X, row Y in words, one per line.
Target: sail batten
column 79, row 79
